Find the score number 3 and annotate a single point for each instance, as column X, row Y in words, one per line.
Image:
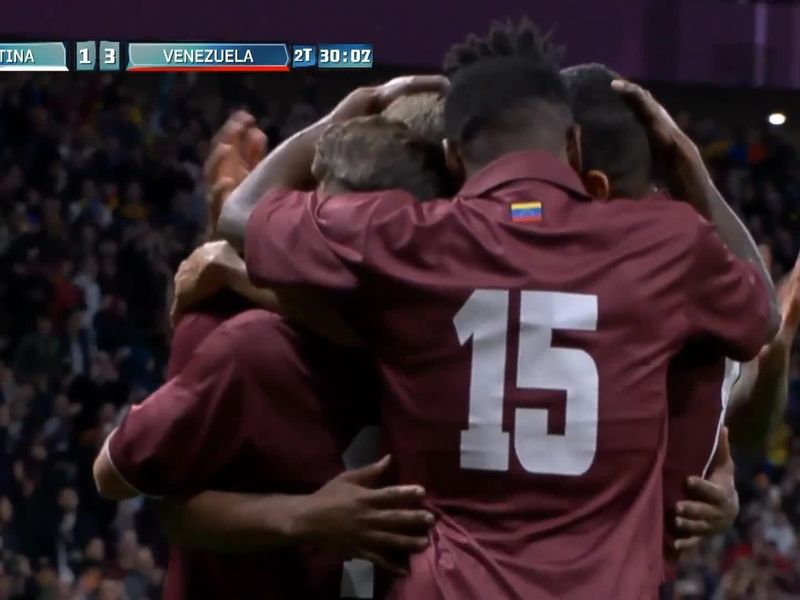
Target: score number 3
column 484, row 444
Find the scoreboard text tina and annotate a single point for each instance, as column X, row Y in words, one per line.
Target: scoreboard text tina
column 94, row 55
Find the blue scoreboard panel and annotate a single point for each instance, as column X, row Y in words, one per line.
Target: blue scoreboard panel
column 113, row 55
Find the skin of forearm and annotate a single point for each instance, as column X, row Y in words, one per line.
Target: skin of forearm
column 695, row 185
column 742, row 390
column 230, row 522
column 755, row 415
column 288, row 166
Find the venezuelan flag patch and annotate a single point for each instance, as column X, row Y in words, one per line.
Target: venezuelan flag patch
column 526, row 212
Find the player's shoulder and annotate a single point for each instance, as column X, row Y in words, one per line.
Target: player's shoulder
column 388, row 211
column 661, row 204
column 658, row 213
column 237, row 337
column 238, row 328
column 388, row 199
column 189, row 334
column 193, row 328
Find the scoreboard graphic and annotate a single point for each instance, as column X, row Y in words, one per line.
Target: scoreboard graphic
column 106, row 55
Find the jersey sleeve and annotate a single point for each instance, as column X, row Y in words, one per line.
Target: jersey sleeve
column 727, row 299
column 296, row 238
column 168, row 444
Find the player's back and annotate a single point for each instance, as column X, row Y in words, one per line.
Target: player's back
column 524, row 338
column 523, row 333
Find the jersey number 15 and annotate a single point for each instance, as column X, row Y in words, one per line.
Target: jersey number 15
column 484, row 445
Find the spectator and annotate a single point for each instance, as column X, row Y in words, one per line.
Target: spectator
column 86, row 281
column 76, row 345
column 38, row 353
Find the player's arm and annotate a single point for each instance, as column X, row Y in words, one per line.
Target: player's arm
column 759, row 401
column 694, row 184
column 381, row 525
column 162, row 446
column 712, row 504
column 289, row 165
column 754, row 413
column 110, row 484
column 725, row 300
column 699, row 190
column 235, row 150
column 704, row 195
column 215, row 266
column 743, row 388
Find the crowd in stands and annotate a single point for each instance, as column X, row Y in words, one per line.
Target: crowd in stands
column 101, row 197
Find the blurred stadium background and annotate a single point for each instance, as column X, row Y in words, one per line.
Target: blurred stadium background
column 101, row 197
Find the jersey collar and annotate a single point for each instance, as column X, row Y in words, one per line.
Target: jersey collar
column 526, row 164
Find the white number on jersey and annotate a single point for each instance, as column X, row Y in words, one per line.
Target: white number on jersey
column 484, row 320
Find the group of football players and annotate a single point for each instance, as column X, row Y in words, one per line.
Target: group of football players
column 517, row 283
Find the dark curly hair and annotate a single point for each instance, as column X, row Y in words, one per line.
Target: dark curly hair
column 504, row 89
column 505, row 38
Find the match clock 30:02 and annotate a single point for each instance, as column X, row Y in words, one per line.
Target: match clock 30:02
column 345, row 56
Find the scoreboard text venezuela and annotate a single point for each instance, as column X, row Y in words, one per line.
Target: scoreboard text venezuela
column 181, row 56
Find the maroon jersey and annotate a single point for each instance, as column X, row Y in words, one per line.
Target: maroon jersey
column 258, row 407
column 523, row 334
column 189, row 333
column 195, row 326
column 699, row 385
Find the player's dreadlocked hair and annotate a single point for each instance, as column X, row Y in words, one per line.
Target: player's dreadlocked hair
column 505, row 89
column 523, row 39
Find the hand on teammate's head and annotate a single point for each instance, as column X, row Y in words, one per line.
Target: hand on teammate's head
column 202, row 275
column 664, row 131
column 372, row 100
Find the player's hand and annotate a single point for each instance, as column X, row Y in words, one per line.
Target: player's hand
column 673, row 150
column 203, row 274
column 773, row 360
column 372, row 100
column 788, row 293
column 713, row 503
column 382, row 525
column 235, row 151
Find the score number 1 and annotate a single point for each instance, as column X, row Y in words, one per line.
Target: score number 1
column 85, row 56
